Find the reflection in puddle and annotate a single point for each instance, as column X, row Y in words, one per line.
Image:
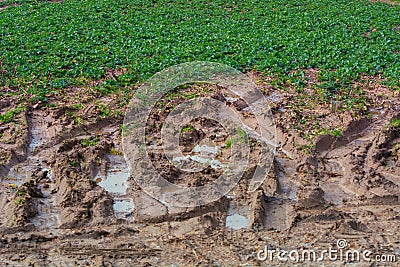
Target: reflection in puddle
column 38, row 131
column 204, row 154
column 19, row 173
column 48, row 211
column 238, row 217
column 117, row 175
column 116, row 183
column 231, row 99
column 206, row 149
column 123, row 207
column 237, row 221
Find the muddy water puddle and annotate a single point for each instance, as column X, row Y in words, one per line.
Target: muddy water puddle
column 117, row 175
column 48, row 211
column 115, row 182
column 204, row 154
column 123, row 208
column 39, row 132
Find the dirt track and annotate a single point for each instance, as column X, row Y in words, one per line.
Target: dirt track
column 58, row 208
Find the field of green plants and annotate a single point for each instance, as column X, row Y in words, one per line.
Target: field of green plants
column 47, row 46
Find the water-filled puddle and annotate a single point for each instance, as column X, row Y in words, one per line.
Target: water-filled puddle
column 38, row 132
column 238, row 216
column 48, row 210
column 204, row 154
column 123, row 207
column 117, row 175
column 116, row 183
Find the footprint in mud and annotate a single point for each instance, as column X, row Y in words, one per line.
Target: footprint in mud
column 334, row 184
column 279, row 208
column 115, row 182
column 279, row 214
column 274, row 212
column 362, row 162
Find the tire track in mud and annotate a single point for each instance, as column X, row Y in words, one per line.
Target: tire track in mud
column 47, row 211
column 350, row 161
column 47, row 207
column 279, row 212
column 45, row 138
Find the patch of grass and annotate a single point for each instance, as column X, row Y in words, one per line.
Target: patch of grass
column 333, row 132
column 20, row 2
column 8, row 116
column 242, row 136
column 395, row 150
column 395, row 123
column 78, row 106
column 336, row 132
column 20, row 193
column 19, row 201
column 74, row 163
column 116, row 152
column 187, row 128
column 307, row 149
column 91, row 141
column 228, row 143
column 104, row 111
column 78, row 120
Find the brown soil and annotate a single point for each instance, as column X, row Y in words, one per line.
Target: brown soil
column 323, row 185
column 387, row 2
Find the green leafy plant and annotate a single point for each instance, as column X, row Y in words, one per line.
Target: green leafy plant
column 395, row 123
column 48, row 46
column 91, row 141
column 187, row 128
column 9, row 115
column 228, row 143
column 74, row 163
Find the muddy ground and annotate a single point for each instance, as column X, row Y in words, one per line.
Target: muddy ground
column 67, row 197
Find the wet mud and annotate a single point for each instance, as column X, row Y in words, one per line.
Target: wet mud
column 68, row 197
